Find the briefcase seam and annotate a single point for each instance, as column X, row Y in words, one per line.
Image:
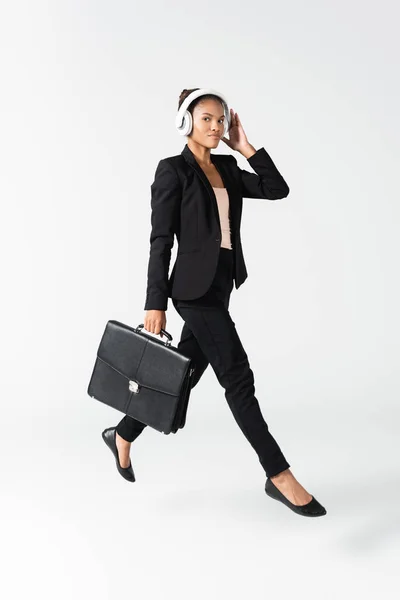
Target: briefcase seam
column 127, row 377
column 141, row 358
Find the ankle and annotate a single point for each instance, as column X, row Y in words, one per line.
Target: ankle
column 121, row 441
column 282, row 476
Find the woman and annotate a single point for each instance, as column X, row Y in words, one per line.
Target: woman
column 197, row 196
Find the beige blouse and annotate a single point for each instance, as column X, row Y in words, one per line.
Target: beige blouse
column 223, row 209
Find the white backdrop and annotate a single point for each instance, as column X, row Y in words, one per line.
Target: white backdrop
column 89, row 96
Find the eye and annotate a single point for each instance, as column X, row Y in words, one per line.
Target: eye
column 221, row 119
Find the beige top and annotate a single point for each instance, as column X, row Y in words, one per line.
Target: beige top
column 223, row 209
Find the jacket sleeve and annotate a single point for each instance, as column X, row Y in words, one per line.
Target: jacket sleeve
column 165, row 213
column 266, row 182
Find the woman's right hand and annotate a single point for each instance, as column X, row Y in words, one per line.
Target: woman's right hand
column 155, row 320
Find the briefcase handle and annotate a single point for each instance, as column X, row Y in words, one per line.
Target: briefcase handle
column 167, row 335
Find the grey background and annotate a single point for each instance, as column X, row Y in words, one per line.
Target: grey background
column 89, row 96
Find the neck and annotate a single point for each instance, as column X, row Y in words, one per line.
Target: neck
column 202, row 154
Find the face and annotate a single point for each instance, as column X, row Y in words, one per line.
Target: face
column 208, row 123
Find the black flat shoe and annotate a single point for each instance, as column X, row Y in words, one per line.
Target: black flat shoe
column 108, row 436
column 311, row 509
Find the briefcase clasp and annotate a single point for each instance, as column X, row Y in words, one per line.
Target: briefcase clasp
column 134, row 386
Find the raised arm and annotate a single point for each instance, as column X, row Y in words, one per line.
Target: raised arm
column 266, row 182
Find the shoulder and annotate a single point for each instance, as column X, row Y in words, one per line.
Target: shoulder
column 177, row 162
column 228, row 158
column 170, row 164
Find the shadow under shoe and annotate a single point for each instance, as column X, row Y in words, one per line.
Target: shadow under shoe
column 311, row 509
column 108, row 436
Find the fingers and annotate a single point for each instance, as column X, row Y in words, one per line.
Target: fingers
column 155, row 324
column 235, row 120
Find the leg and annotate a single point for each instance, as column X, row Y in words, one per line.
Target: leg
column 189, row 346
column 215, row 332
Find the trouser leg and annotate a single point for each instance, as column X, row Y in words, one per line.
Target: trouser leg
column 129, row 428
column 216, row 334
column 189, row 346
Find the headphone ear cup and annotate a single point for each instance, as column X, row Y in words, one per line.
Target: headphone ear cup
column 188, row 122
column 226, row 121
column 186, row 125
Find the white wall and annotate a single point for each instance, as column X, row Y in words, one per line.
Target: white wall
column 88, row 101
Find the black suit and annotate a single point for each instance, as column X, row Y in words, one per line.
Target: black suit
column 183, row 203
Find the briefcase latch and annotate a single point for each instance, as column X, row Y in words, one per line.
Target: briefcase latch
column 134, row 386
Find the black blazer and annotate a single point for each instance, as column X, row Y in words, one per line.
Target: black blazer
column 183, row 204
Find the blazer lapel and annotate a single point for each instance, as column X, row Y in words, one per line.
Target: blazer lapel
column 225, row 176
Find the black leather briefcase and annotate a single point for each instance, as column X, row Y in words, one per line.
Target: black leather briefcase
column 142, row 376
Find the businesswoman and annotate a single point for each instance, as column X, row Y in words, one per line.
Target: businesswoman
column 197, row 197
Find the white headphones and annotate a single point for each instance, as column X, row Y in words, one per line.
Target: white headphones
column 184, row 119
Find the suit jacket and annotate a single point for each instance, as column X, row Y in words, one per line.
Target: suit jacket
column 184, row 205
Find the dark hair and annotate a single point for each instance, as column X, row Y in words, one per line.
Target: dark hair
column 184, row 93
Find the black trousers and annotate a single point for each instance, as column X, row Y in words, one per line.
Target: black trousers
column 209, row 336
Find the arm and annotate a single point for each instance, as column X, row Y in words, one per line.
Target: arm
column 165, row 207
column 266, row 182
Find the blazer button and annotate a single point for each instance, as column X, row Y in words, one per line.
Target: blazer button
column 218, row 240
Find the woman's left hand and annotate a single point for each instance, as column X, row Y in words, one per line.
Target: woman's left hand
column 237, row 137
